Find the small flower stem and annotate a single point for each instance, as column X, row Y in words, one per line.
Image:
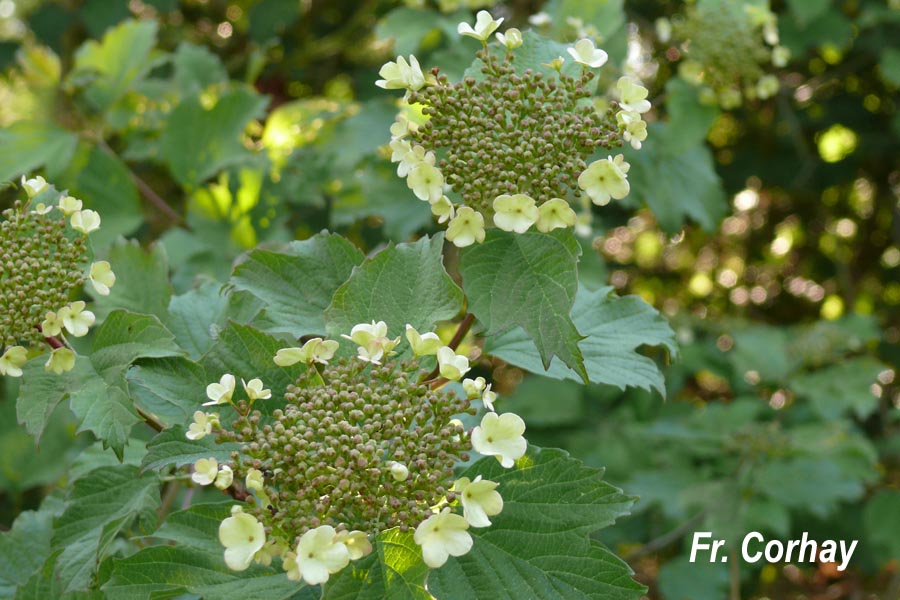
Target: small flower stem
column 150, row 420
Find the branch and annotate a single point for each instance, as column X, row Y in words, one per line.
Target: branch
column 464, row 326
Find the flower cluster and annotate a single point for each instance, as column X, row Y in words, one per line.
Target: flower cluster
column 355, row 447
column 728, row 46
column 510, row 147
column 44, row 255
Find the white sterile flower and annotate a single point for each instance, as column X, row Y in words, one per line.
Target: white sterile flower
column 426, row 181
column 441, row 536
column 12, row 361
column 585, row 53
column 485, row 25
column 632, row 95
column 635, row 133
column 52, row 325
column 780, row 56
column 85, row 221
column 372, row 340
column 34, row 186
column 422, row 345
column 480, row 500
column 202, row 425
column 500, row 436
column 315, row 350
column 452, row 365
column 540, row 19
column 516, row 212
column 401, row 127
column 443, row 209
column 411, row 158
column 402, row 75
column 60, row 361
column 488, row 398
column 605, row 179
column 224, row 478
column 473, row 387
column 254, row 480
column 466, row 228
column 399, row 471
column 69, row 205
column 42, row 209
column 255, row 391
column 205, row 471
column 220, row 393
column 243, row 536
column 555, row 214
column 75, row 319
column 319, row 555
column 512, row 39
column 767, row 86
column 102, row 277
column 357, row 542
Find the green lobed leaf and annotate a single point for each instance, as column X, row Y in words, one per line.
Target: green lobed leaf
column 539, row 546
column 196, row 68
column 192, row 316
column 23, row 549
column 125, row 337
column 197, row 142
column 119, row 59
column 169, row 388
column 171, row 447
column 26, row 146
column 196, row 527
column 527, row 280
column 615, row 328
column 841, row 388
column 297, row 285
column 689, row 120
column 100, row 506
column 401, row 284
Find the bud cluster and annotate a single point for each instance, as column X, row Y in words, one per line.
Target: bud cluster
column 512, row 144
column 355, row 447
column 44, row 258
column 729, row 46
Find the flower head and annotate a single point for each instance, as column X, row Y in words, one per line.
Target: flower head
column 205, row 471
column 60, row 361
column 243, row 536
column 85, row 221
column 12, row 361
column 102, row 277
column 441, row 536
column 480, row 500
column 319, row 555
column 555, row 214
column 485, row 25
column 632, row 95
column 221, row 393
column 75, row 319
column 500, row 436
column 422, row 345
column 452, row 365
column 515, row 212
column 402, row 75
column 585, row 53
column 34, row 186
column 605, row 179
column 255, row 391
column 466, row 228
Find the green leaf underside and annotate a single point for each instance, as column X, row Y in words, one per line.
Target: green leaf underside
column 100, row 506
column 297, row 285
column 527, row 280
column 401, row 284
column 169, row 388
column 539, row 546
column 615, row 327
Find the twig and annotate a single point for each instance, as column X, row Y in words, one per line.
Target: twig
column 464, row 326
column 150, row 420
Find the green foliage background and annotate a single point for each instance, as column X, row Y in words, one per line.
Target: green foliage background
column 220, row 137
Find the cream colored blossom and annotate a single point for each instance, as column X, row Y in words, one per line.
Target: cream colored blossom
column 473, row 387
column 512, row 39
column 443, row 209
column 426, row 181
column 466, row 228
column 221, row 393
column 516, row 212
column 34, row 186
column 319, row 555
column 202, row 425
column 452, row 365
column 632, row 95
column 255, row 391
column 585, row 53
column 357, row 542
column 399, row 471
column 500, row 436
column 372, row 341
column 485, row 25
column 480, row 500
column 402, row 75
column 243, row 536
column 60, row 361
column 555, row 214
column 102, row 277
column 314, row 350
column 425, row 344
column 51, row 325
column 488, row 398
column 224, row 478
column 85, row 221
column 205, row 471
column 69, row 205
column 76, row 319
column 441, row 536
column 605, row 179
column 12, row 361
